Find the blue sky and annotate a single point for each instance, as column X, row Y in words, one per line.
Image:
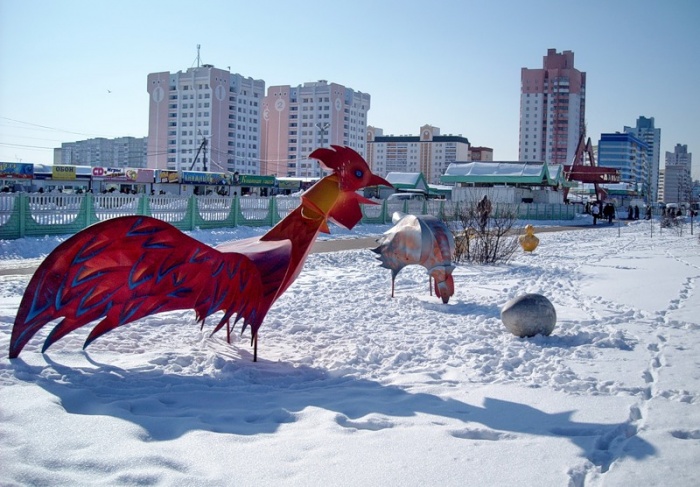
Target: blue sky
column 77, row 69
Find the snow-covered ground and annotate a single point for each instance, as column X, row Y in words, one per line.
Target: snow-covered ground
column 355, row 388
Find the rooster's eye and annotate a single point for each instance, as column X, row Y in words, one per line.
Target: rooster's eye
column 358, row 173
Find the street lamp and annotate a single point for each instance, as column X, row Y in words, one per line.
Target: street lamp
column 323, row 128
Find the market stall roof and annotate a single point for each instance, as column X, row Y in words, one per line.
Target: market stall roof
column 439, row 189
column 407, row 180
column 530, row 173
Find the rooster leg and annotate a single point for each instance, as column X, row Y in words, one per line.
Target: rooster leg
column 228, row 331
column 430, row 284
column 255, row 348
column 392, row 286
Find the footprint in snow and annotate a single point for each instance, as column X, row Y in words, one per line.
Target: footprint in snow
column 686, row 434
column 371, row 424
column 482, row 434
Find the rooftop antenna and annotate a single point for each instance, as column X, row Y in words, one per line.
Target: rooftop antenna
column 198, row 46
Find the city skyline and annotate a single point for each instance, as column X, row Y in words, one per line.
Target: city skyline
column 74, row 71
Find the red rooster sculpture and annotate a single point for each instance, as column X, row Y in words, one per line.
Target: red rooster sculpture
column 124, row 269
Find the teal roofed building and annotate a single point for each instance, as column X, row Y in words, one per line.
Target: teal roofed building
column 507, row 182
column 413, row 181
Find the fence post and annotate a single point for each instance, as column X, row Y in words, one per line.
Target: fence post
column 146, row 206
column 272, row 210
column 23, row 213
column 141, row 207
column 86, row 206
column 235, row 208
column 90, row 216
column 191, row 209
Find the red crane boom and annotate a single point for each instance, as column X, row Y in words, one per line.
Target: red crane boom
column 592, row 174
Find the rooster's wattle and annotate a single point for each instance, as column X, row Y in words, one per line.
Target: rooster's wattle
column 124, row 269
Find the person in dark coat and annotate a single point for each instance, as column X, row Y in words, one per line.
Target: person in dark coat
column 609, row 212
column 636, row 212
column 483, row 208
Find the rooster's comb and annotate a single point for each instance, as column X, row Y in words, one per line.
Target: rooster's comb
column 336, row 157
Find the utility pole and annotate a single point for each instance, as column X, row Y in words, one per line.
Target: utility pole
column 204, row 155
column 202, row 148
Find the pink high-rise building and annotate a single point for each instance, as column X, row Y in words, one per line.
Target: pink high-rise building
column 298, row 119
column 552, row 109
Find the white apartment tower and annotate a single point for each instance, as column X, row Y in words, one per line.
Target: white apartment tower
column 552, row 110
column 428, row 153
column 120, row 152
column 678, row 183
column 204, row 119
column 651, row 136
column 296, row 120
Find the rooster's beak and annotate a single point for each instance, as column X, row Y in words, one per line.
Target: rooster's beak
column 378, row 181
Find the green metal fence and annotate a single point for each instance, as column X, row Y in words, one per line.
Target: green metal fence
column 38, row 214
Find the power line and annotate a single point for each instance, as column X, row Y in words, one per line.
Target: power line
column 50, row 128
column 26, row 146
column 28, row 137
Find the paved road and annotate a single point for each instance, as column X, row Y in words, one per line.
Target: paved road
column 370, row 242
column 20, row 271
column 322, row 246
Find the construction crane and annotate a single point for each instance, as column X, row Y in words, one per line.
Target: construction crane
column 591, row 174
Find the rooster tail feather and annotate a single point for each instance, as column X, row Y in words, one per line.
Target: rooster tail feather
column 124, row 269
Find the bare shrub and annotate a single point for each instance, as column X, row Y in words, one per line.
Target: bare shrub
column 483, row 238
column 673, row 223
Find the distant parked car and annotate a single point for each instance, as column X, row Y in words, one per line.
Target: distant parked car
column 406, row 196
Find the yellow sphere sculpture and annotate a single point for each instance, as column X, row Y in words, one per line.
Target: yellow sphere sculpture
column 528, row 241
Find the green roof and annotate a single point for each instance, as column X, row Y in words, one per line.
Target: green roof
column 530, row 173
column 407, row 180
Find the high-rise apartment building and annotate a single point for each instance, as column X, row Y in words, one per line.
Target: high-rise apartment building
column 662, row 184
column 296, row 120
column 645, row 131
column 101, row 152
column 428, row 153
column 204, row 119
column 552, row 109
column 678, row 183
column 628, row 155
